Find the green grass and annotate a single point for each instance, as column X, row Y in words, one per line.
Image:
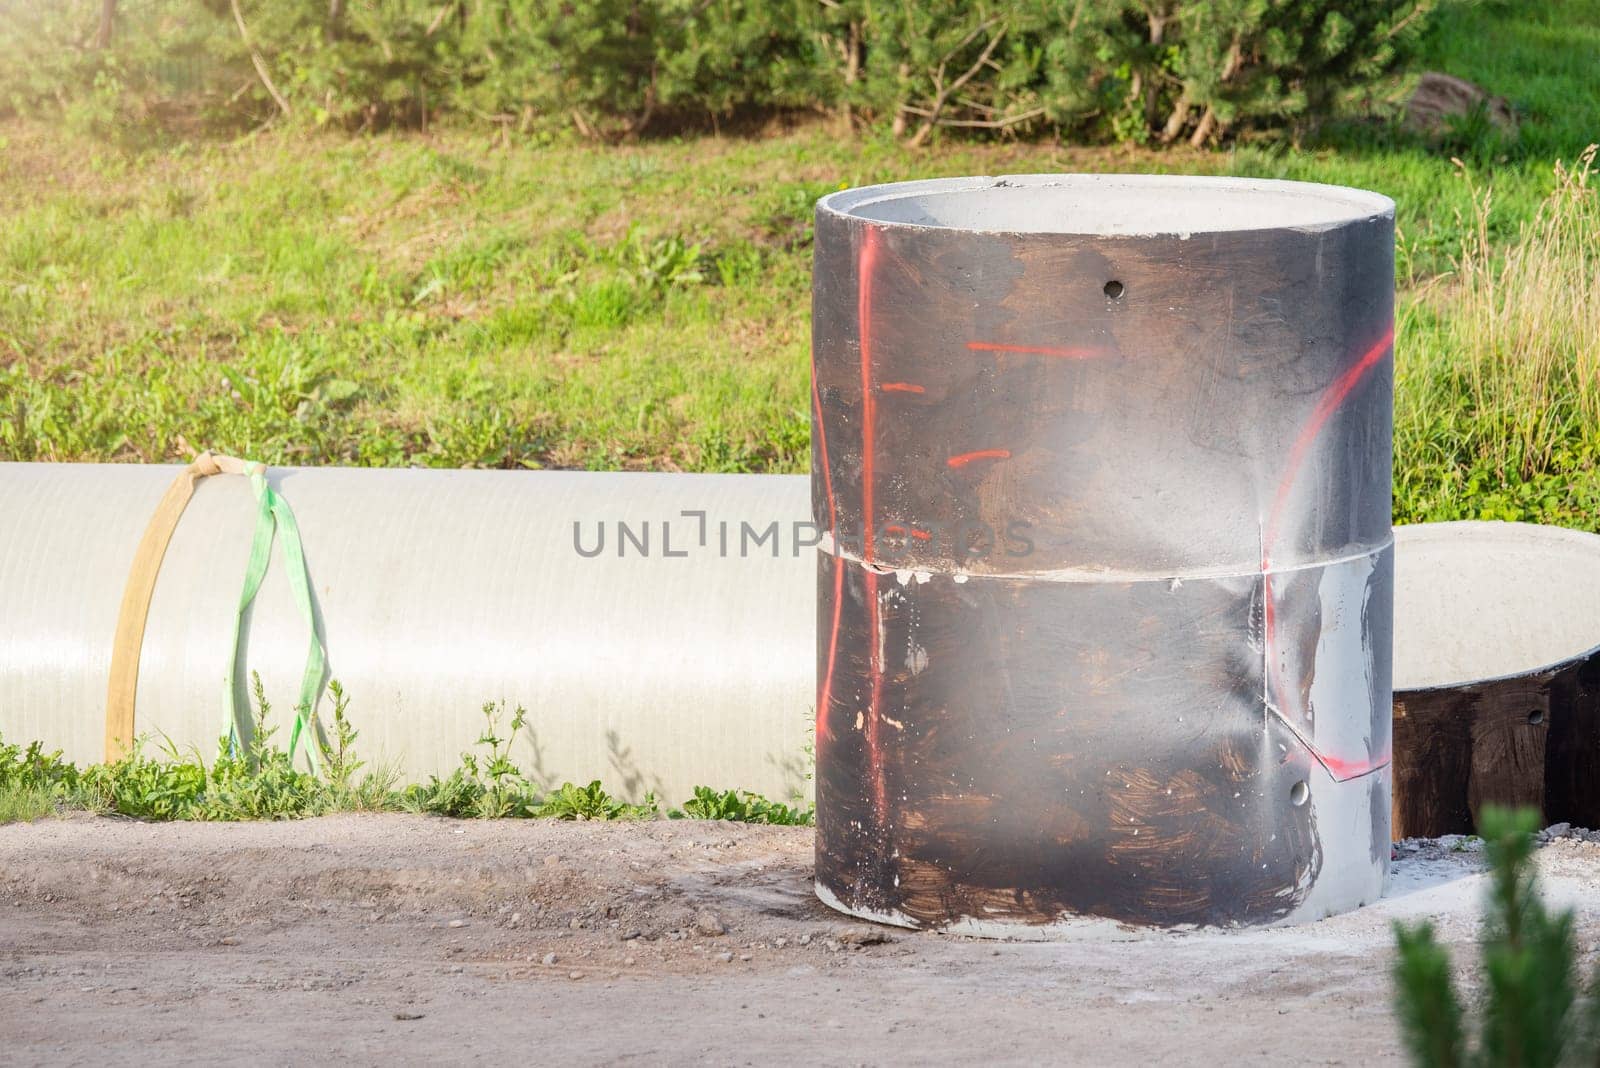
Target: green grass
column 258, row 781
column 457, row 300
column 1540, row 57
column 21, row 802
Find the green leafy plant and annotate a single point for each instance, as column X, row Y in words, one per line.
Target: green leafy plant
column 1532, row 1012
column 743, row 807
column 591, row 802
column 489, row 786
column 253, row 779
column 33, row 783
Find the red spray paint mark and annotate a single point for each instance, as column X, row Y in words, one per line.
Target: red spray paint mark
column 1340, row 769
column 901, row 387
column 1036, row 350
column 965, row 458
column 1334, row 396
column 920, row 535
column 825, row 697
column 1345, row 770
column 1332, row 399
column 866, row 264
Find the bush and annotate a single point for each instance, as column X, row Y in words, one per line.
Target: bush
column 1136, row 70
column 1532, row 1014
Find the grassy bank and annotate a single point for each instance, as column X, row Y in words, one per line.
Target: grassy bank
column 451, row 299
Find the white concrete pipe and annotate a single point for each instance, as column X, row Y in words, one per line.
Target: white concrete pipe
column 681, row 654
column 440, row 590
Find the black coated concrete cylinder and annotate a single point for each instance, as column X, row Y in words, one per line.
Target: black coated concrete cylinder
column 1104, row 616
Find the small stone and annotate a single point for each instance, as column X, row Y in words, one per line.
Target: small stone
column 1558, row 830
column 805, row 940
column 408, row 1016
column 780, row 942
column 725, row 956
column 709, row 923
column 458, row 923
column 516, row 917
column 630, row 934
column 550, row 958
column 744, row 956
column 574, row 975
column 629, row 961
column 575, row 923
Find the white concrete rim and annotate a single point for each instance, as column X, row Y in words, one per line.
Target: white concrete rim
column 1109, row 205
column 1485, row 532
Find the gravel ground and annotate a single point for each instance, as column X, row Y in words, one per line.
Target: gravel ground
column 410, row 939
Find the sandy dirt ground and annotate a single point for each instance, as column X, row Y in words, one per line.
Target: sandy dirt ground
column 396, row 939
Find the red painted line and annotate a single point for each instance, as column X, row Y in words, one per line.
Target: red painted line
column 1345, row 770
column 1339, row 768
column 920, row 535
column 825, row 700
column 1036, row 350
column 965, row 458
column 825, row 692
column 901, row 387
column 1331, row 400
column 866, row 264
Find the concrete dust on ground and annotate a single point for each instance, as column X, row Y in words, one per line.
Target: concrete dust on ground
column 414, row 939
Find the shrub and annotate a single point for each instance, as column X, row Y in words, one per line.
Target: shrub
column 1532, row 1013
column 1134, row 70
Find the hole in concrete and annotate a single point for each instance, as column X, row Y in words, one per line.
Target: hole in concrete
column 1299, row 793
column 1536, row 717
column 1113, row 289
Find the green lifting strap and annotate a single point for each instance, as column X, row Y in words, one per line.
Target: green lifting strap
column 275, row 519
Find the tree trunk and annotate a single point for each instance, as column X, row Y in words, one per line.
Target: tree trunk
column 108, row 21
column 257, row 62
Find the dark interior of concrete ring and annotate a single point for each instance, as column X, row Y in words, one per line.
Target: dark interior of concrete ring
column 1497, row 678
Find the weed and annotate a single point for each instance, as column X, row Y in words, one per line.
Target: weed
column 23, row 802
column 591, row 802
column 339, row 763
column 742, row 806
column 488, row 788
column 253, row 779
